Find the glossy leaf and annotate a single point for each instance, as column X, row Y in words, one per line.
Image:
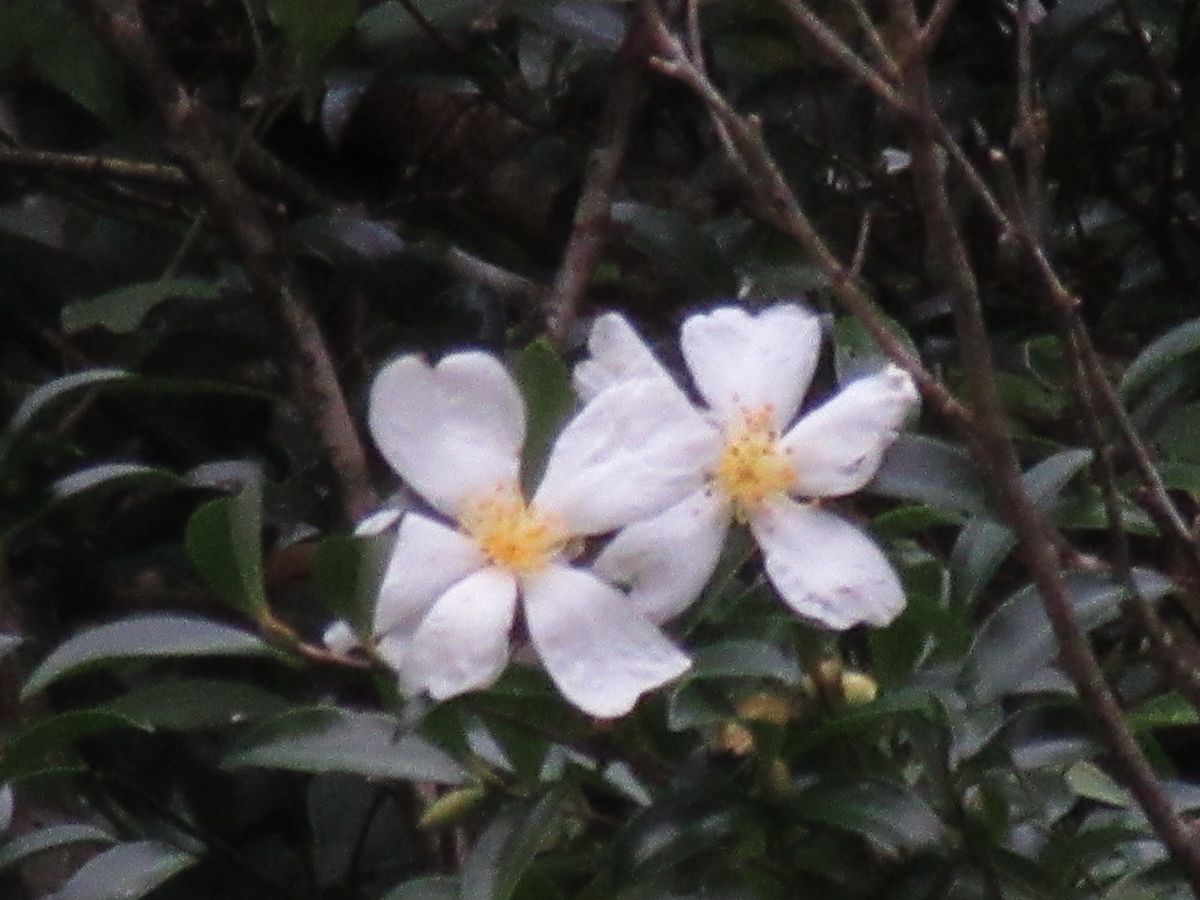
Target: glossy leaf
column 50, row 838
column 192, row 704
column 122, row 310
column 744, row 659
column 933, row 472
column 891, row 815
column 1160, row 355
column 141, row 637
column 545, row 383
column 326, row 739
column 224, row 540
column 126, row 872
column 1016, row 640
column 984, row 543
column 507, row 846
column 678, row 247
column 33, row 748
column 431, row 887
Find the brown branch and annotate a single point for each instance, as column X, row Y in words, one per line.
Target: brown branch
column 1027, row 522
column 769, row 191
column 189, row 134
column 931, row 32
column 839, row 52
column 590, row 226
column 22, row 158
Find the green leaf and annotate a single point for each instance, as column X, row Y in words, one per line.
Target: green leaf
column 122, row 310
column 1016, row 641
column 50, row 838
column 327, row 739
column 112, row 475
column 347, row 572
column 677, row 247
column 1160, row 355
column 224, row 540
column 41, row 398
column 984, row 543
column 933, row 472
column 855, row 352
column 31, row 748
column 126, row 872
column 1164, row 711
column 1088, row 780
column 507, row 846
column 744, row 659
column 889, row 814
column 193, row 704
column 545, row 383
column 314, row 27
column 10, row 642
column 431, row 887
column 158, row 635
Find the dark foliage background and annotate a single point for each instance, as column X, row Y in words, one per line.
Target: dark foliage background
column 206, row 251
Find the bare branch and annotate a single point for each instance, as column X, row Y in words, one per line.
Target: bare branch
column 590, row 226
column 190, row 137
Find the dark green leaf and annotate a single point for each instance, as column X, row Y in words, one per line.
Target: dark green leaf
column 855, row 352
column 326, row 739
column 314, row 28
column 678, row 247
column 30, row 750
column 1164, row 711
column 744, row 659
column 933, row 472
column 1016, row 641
column 545, row 384
column 112, row 475
column 507, row 847
column 185, row 705
column 50, row 838
column 224, row 540
column 122, row 310
column 141, row 637
column 984, row 543
column 1160, row 355
column 431, row 887
column 892, row 815
column 126, row 872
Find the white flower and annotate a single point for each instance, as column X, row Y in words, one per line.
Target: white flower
column 753, row 371
column 448, row 601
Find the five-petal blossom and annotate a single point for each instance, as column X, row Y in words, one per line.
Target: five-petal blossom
column 454, row 432
column 752, row 372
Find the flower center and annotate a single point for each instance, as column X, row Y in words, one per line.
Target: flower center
column 513, row 535
column 752, row 467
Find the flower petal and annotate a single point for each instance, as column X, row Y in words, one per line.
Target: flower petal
column 426, row 559
column 665, row 562
column 749, row 362
column 824, row 568
column 634, row 450
column 837, row 447
column 600, row 652
column 450, row 431
column 616, row 353
column 462, row 644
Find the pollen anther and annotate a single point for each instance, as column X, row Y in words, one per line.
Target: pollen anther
column 513, row 534
column 753, row 467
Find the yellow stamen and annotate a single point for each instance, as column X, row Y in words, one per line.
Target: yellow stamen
column 513, row 535
column 753, row 468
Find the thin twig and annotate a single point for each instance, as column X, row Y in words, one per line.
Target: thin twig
column 841, row 53
column 190, row 137
column 931, row 32
column 590, row 226
column 1027, row 522
column 93, row 165
column 767, row 187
